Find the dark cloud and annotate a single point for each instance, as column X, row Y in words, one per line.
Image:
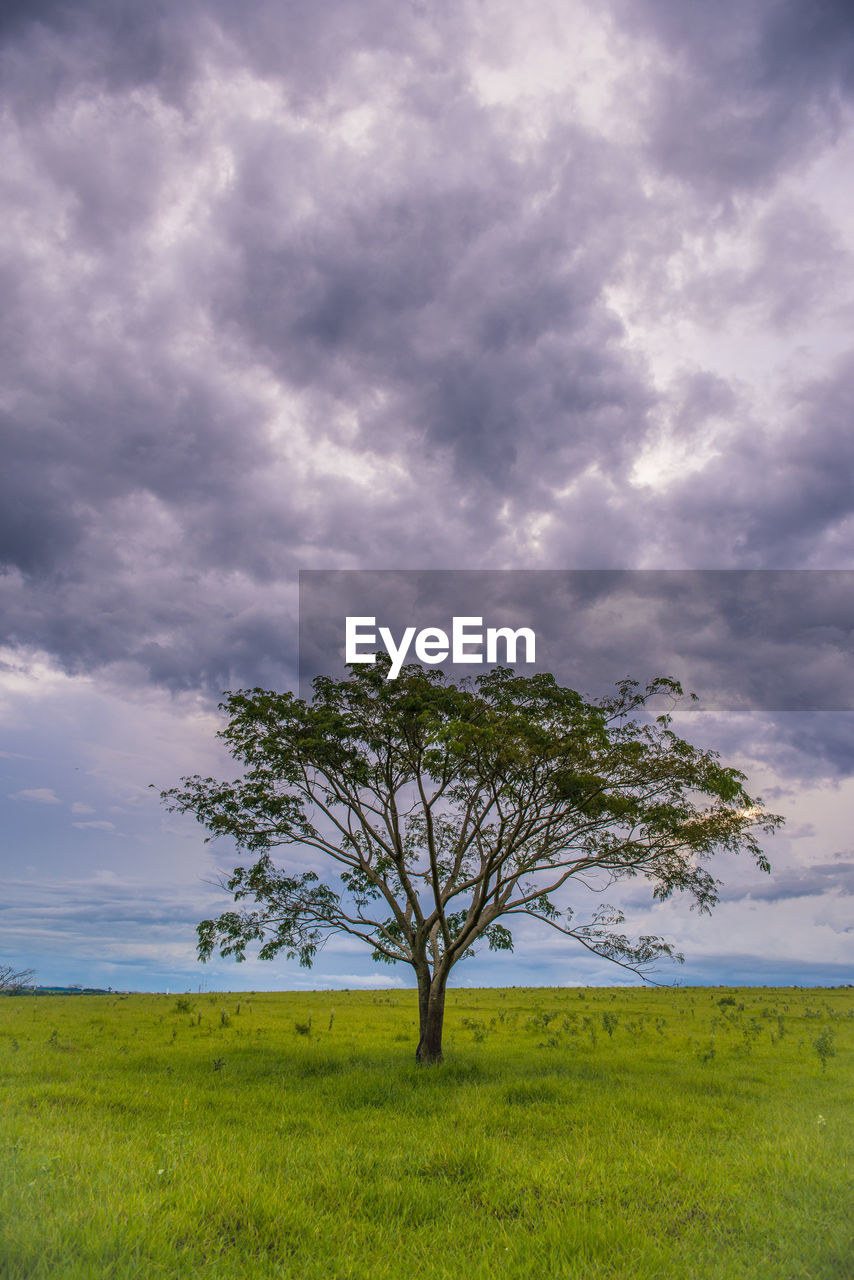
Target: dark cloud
column 453, row 299
column 293, row 290
column 779, row 495
column 53, row 49
column 746, row 88
column 746, row 640
column 804, row 747
column 215, row 302
column 815, row 881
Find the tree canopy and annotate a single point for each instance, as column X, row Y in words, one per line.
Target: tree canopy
column 447, row 809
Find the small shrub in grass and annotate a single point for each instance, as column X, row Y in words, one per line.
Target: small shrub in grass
column 539, row 1020
column 707, row 1054
column 825, row 1047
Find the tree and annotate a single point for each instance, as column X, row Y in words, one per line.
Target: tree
column 448, row 808
column 13, row 981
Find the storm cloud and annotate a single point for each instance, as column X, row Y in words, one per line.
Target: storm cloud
column 405, row 286
column 313, row 289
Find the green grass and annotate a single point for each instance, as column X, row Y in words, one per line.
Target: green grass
column 580, row 1134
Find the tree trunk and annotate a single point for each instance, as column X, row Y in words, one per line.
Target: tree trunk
column 431, row 1011
column 423, row 1007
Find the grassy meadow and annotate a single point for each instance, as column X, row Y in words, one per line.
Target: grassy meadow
column 583, row 1133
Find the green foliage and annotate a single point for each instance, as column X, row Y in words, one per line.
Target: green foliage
column 706, row 1053
column 445, row 809
column 825, row 1046
column 610, row 1021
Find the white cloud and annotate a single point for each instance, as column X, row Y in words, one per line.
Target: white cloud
column 42, row 795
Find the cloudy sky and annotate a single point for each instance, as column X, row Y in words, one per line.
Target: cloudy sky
column 376, row 284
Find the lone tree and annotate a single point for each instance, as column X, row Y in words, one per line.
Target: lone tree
column 449, row 808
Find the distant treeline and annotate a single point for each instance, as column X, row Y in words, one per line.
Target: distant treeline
column 63, row 991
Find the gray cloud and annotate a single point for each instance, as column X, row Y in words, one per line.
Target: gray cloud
column 778, row 496
column 747, row 87
column 796, row 272
column 814, row 881
column 217, row 315
column 297, row 291
column 746, row 640
column 75, row 906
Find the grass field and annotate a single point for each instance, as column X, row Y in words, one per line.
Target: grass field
column 576, row 1133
